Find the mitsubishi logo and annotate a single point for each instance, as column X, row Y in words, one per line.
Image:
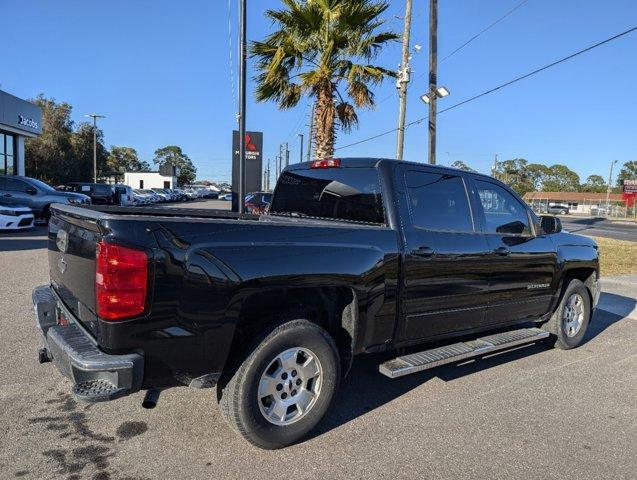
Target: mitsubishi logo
column 251, row 147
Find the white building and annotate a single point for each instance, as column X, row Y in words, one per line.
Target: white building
column 149, row 180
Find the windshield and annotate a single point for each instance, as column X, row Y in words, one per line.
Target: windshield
column 345, row 194
column 41, row 185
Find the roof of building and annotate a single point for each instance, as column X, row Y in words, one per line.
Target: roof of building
column 571, row 196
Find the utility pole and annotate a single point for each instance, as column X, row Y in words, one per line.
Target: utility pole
column 301, row 148
column 433, row 76
column 242, row 105
column 402, row 82
column 276, row 167
column 494, row 169
column 610, row 179
column 287, row 154
column 310, row 134
column 267, row 177
column 94, row 116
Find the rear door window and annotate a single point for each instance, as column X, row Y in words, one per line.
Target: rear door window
column 103, row 190
column 337, row 193
column 438, row 201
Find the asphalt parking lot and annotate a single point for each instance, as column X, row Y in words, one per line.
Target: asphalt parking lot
column 528, row 413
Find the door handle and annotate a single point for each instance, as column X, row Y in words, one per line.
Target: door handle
column 501, row 251
column 423, row 251
column 6, row 195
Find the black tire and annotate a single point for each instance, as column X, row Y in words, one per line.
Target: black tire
column 237, row 390
column 557, row 324
column 46, row 214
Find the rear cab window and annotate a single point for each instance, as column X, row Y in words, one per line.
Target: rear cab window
column 332, row 193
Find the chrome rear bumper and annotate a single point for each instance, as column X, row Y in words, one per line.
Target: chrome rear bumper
column 97, row 376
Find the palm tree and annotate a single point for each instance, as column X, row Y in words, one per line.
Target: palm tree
column 317, row 46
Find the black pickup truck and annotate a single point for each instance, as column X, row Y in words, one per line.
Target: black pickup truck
column 355, row 256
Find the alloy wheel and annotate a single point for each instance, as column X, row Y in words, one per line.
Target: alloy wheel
column 290, row 386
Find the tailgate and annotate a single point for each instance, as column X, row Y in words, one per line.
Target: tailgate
column 72, row 246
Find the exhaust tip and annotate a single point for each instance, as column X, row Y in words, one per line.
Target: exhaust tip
column 151, row 398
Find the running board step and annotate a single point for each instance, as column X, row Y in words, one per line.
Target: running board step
column 457, row 352
column 97, row 391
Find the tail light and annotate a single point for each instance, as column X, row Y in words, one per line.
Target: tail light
column 326, row 163
column 121, row 278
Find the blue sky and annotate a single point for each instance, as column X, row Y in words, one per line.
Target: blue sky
column 160, row 71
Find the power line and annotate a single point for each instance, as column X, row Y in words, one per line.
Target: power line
column 297, row 124
column 453, row 52
column 487, row 28
column 499, row 87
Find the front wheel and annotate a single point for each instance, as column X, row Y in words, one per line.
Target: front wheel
column 570, row 320
column 46, row 214
column 283, row 386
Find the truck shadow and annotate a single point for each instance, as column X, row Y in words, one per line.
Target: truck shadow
column 611, row 309
column 365, row 389
column 12, row 241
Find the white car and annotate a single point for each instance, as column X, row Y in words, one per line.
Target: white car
column 15, row 217
column 125, row 195
column 226, row 196
column 141, row 198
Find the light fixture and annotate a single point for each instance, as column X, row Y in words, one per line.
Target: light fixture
column 442, row 92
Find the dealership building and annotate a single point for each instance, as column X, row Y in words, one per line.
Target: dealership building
column 19, row 120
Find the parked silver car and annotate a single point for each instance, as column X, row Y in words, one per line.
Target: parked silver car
column 37, row 195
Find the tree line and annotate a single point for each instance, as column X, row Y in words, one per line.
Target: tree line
column 63, row 153
column 525, row 177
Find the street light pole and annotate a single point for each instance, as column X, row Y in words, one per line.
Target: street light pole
column 403, row 82
column 242, row 105
column 301, row 148
column 433, row 74
column 94, row 116
column 610, row 179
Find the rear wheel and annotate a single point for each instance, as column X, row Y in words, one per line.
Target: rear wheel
column 283, row 386
column 562, row 212
column 570, row 320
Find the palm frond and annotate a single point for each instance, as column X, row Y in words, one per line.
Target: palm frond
column 346, row 115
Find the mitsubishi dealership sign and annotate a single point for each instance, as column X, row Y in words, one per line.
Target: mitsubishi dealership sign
column 254, row 163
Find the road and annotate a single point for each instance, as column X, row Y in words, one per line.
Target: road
column 600, row 227
column 529, row 413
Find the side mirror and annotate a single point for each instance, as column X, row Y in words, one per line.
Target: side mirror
column 31, row 191
column 550, row 224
